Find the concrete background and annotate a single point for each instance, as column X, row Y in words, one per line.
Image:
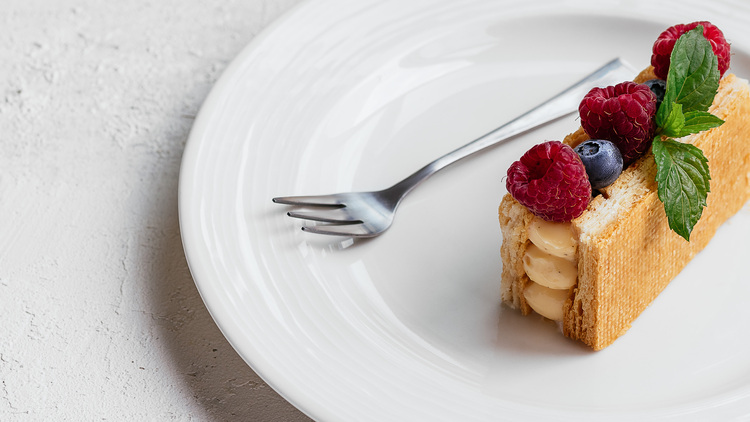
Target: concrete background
column 99, row 316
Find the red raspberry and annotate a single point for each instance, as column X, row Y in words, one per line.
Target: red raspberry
column 550, row 180
column 623, row 114
column 665, row 43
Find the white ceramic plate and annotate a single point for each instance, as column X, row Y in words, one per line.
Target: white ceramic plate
column 342, row 95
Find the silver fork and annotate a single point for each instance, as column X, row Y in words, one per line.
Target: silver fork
column 368, row 214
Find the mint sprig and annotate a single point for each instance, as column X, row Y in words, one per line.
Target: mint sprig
column 679, row 124
column 693, row 77
column 674, row 123
column 682, row 173
column 698, row 121
column 682, row 177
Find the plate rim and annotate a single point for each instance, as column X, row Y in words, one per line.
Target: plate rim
column 290, row 392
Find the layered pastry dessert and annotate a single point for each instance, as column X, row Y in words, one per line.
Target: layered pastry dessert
column 596, row 226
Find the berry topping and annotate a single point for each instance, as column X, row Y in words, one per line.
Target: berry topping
column 663, row 46
column 623, row 114
column 602, row 160
column 550, row 180
column 659, row 88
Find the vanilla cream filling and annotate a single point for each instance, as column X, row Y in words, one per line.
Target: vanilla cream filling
column 545, row 301
column 550, row 262
column 549, row 270
column 554, row 238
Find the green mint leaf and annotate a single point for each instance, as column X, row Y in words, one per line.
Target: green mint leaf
column 693, row 77
column 698, row 121
column 674, row 123
column 682, row 179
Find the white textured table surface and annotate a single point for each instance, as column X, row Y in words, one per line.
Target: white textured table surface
column 100, row 317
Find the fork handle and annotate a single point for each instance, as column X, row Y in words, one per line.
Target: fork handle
column 558, row 106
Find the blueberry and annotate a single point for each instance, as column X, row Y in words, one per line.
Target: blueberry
column 658, row 87
column 602, row 160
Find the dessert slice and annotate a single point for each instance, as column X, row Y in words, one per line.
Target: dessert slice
column 597, row 272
